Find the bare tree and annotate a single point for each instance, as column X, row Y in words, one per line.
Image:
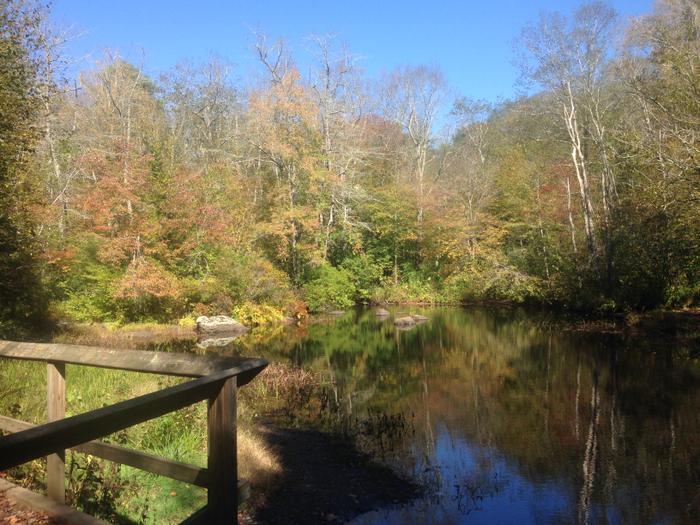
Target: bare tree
column 413, row 98
column 467, row 163
column 205, row 111
column 339, row 93
column 568, row 58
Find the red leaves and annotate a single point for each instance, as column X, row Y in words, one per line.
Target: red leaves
column 145, row 279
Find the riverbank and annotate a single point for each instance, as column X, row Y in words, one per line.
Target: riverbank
column 111, row 334
column 283, row 460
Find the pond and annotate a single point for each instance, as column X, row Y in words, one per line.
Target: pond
column 507, row 417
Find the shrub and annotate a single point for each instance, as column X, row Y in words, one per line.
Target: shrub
column 413, row 290
column 89, row 287
column 366, row 273
column 485, row 279
column 682, row 293
column 251, row 314
column 329, row 288
column 249, row 278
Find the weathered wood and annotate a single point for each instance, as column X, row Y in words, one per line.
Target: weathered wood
column 24, row 446
column 56, row 409
column 155, row 465
column 168, row 363
column 222, row 504
column 58, row 511
column 9, row 424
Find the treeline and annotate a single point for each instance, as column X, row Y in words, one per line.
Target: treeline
column 130, row 197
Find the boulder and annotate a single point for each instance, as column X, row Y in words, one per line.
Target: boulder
column 219, row 324
column 381, row 312
column 404, row 322
column 419, row 318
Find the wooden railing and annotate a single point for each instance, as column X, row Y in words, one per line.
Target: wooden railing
column 216, row 380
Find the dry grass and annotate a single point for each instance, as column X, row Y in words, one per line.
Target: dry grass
column 256, row 462
column 282, row 391
column 122, row 337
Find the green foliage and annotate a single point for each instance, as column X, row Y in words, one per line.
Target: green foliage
column 88, row 287
column 330, row 288
column 248, row 277
column 487, row 278
column 22, row 302
column 683, row 294
column 413, row 289
column 366, row 274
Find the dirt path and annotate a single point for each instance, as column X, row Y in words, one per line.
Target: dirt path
column 13, row 514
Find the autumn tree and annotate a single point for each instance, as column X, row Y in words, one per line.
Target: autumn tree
column 568, row 59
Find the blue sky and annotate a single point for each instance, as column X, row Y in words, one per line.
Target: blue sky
column 472, row 41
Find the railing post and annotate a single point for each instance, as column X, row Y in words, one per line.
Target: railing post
column 222, row 497
column 56, row 404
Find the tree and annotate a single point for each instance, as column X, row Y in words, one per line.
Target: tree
column 413, row 99
column 568, row 58
column 21, row 298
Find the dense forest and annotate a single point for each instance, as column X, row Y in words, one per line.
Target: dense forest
column 133, row 197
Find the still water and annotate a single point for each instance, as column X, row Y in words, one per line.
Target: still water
column 507, row 417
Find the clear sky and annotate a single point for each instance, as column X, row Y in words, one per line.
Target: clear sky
column 472, row 41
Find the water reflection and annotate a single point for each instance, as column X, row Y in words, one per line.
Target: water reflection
column 506, row 418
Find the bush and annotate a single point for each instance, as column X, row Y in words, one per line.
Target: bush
column 89, row 288
column 413, row 290
column 366, row 273
column 485, row 279
column 251, row 314
column 329, row 288
column 683, row 294
column 249, row 278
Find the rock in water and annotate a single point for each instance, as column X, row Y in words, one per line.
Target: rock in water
column 219, row 324
column 381, row 312
column 404, row 322
column 419, row 318
column 217, row 342
column 336, row 313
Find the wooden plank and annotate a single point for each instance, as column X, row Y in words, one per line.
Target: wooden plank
column 24, row 446
column 9, row 424
column 57, row 511
column 56, row 408
column 148, row 462
column 168, row 363
column 155, row 465
column 222, row 501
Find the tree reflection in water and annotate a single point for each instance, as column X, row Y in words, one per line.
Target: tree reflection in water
column 509, row 418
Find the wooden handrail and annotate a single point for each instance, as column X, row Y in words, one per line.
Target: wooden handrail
column 167, row 363
column 32, row 443
column 217, row 380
